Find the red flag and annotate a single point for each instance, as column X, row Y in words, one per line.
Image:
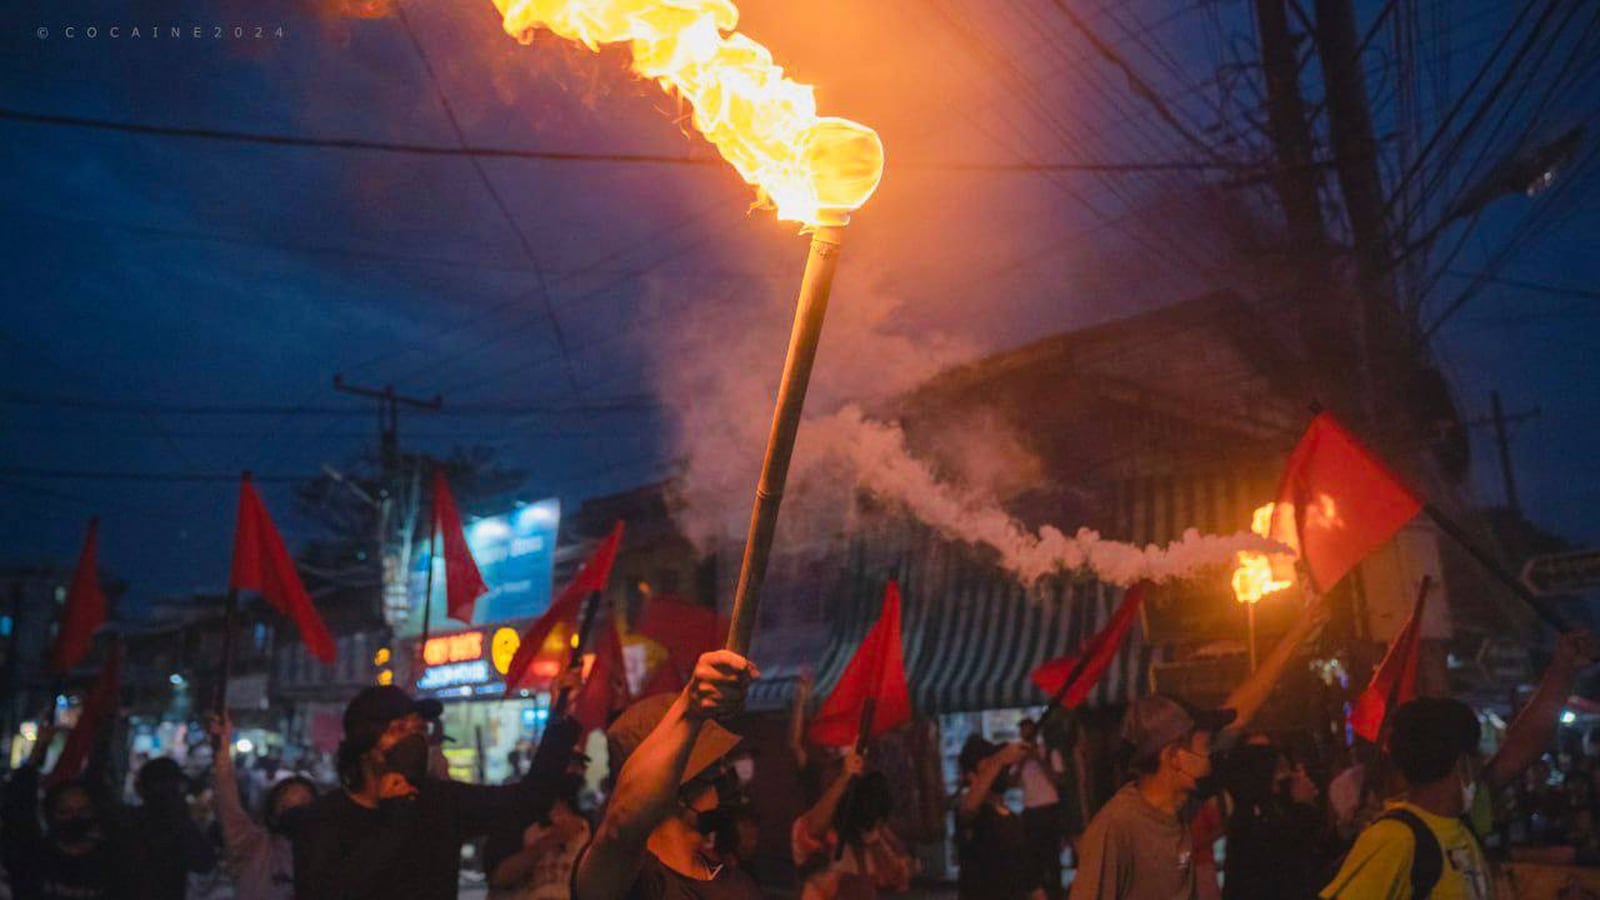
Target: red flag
column 606, row 689
column 592, row 576
column 85, row 609
column 1395, row 679
column 685, row 630
column 463, row 583
column 261, row 563
column 1098, row 652
column 1337, row 502
column 877, row 670
column 99, row 707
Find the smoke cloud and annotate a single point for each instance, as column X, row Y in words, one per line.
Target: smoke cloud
column 720, row 377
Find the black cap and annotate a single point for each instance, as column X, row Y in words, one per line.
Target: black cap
column 375, row 707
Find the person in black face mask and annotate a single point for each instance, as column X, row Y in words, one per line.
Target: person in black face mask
column 69, row 857
column 394, row 831
column 162, row 843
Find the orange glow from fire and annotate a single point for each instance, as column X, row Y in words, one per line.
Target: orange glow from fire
column 813, row 169
column 1253, row 575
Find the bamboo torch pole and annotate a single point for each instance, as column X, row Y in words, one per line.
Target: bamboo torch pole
column 815, row 286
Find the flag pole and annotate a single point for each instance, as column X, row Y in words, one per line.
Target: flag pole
column 427, row 596
column 1463, row 540
column 591, row 606
column 815, row 285
column 230, row 629
column 1250, row 615
column 230, row 639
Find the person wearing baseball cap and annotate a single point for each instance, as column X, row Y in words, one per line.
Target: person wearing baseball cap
column 1138, row 845
column 392, row 830
column 672, row 752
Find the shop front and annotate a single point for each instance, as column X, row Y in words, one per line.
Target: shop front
column 466, row 671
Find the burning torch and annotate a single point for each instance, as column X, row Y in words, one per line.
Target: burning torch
column 815, row 170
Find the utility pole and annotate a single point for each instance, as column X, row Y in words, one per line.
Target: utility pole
column 1502, row 439
column 1294, row 177
column 1384, row 337
column 389, row 403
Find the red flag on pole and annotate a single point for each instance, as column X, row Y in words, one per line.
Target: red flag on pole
column 462, row 580
column 606, row 688
column 1337, row 502
column 592, row 576
column 261, row 563
column 99, row 707
column 1084, row 668
column 85, row 610
column 877, row 670
column 1395, row 680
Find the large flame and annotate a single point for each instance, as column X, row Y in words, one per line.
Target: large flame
column 1253, row 575
column 813, row 169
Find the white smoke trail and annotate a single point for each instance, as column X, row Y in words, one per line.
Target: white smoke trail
column 884, row 466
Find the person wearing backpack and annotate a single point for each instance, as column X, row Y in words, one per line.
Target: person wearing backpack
column 1426, row 844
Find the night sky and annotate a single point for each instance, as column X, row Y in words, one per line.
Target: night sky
column 159, row 287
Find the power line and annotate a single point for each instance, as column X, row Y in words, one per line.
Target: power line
column 615, row 404
column 1559, row 290
column 567, row 156
column 163, row 477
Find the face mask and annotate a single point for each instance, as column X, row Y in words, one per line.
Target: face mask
column 745, row 768
column 408, row 758
column 75, row 830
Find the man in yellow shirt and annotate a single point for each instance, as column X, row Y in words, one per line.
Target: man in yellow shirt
column 1424, row 845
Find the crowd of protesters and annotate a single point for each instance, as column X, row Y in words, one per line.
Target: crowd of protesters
column 679, row 819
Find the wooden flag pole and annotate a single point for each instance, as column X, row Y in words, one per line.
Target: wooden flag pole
column 230, row 640
column 1463, row 540
column 591, row 607
column 427, row 600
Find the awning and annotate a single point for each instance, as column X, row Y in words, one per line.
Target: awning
column 972, row 635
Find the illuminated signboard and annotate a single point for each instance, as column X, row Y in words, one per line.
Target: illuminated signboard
column 467, row 663
column 516, row 554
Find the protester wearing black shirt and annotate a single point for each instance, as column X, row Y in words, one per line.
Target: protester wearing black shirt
column 990, row 840
column 161, row 841
column 392, row 831
column 1279, row 841
column 69, row 857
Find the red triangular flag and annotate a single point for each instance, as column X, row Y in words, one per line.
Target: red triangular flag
column 1098, row 651
column 463, row 583
column 592, row 576
column 1395, row 679
column 261, row 563
column 685, row 630
column 1337, row 502
column 85, row 609
column 606, row 688
column 877, row 670
column 99, row 706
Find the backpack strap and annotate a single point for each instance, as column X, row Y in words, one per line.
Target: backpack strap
column 1427, row 860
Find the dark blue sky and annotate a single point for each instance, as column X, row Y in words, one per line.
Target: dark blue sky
column 149, row 273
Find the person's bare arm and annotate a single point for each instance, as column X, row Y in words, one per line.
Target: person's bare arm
column 988, row 770
column 647, row 787
column 1531, row 732
column 819, row 818
column 1248, row 698
column 239, row 833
